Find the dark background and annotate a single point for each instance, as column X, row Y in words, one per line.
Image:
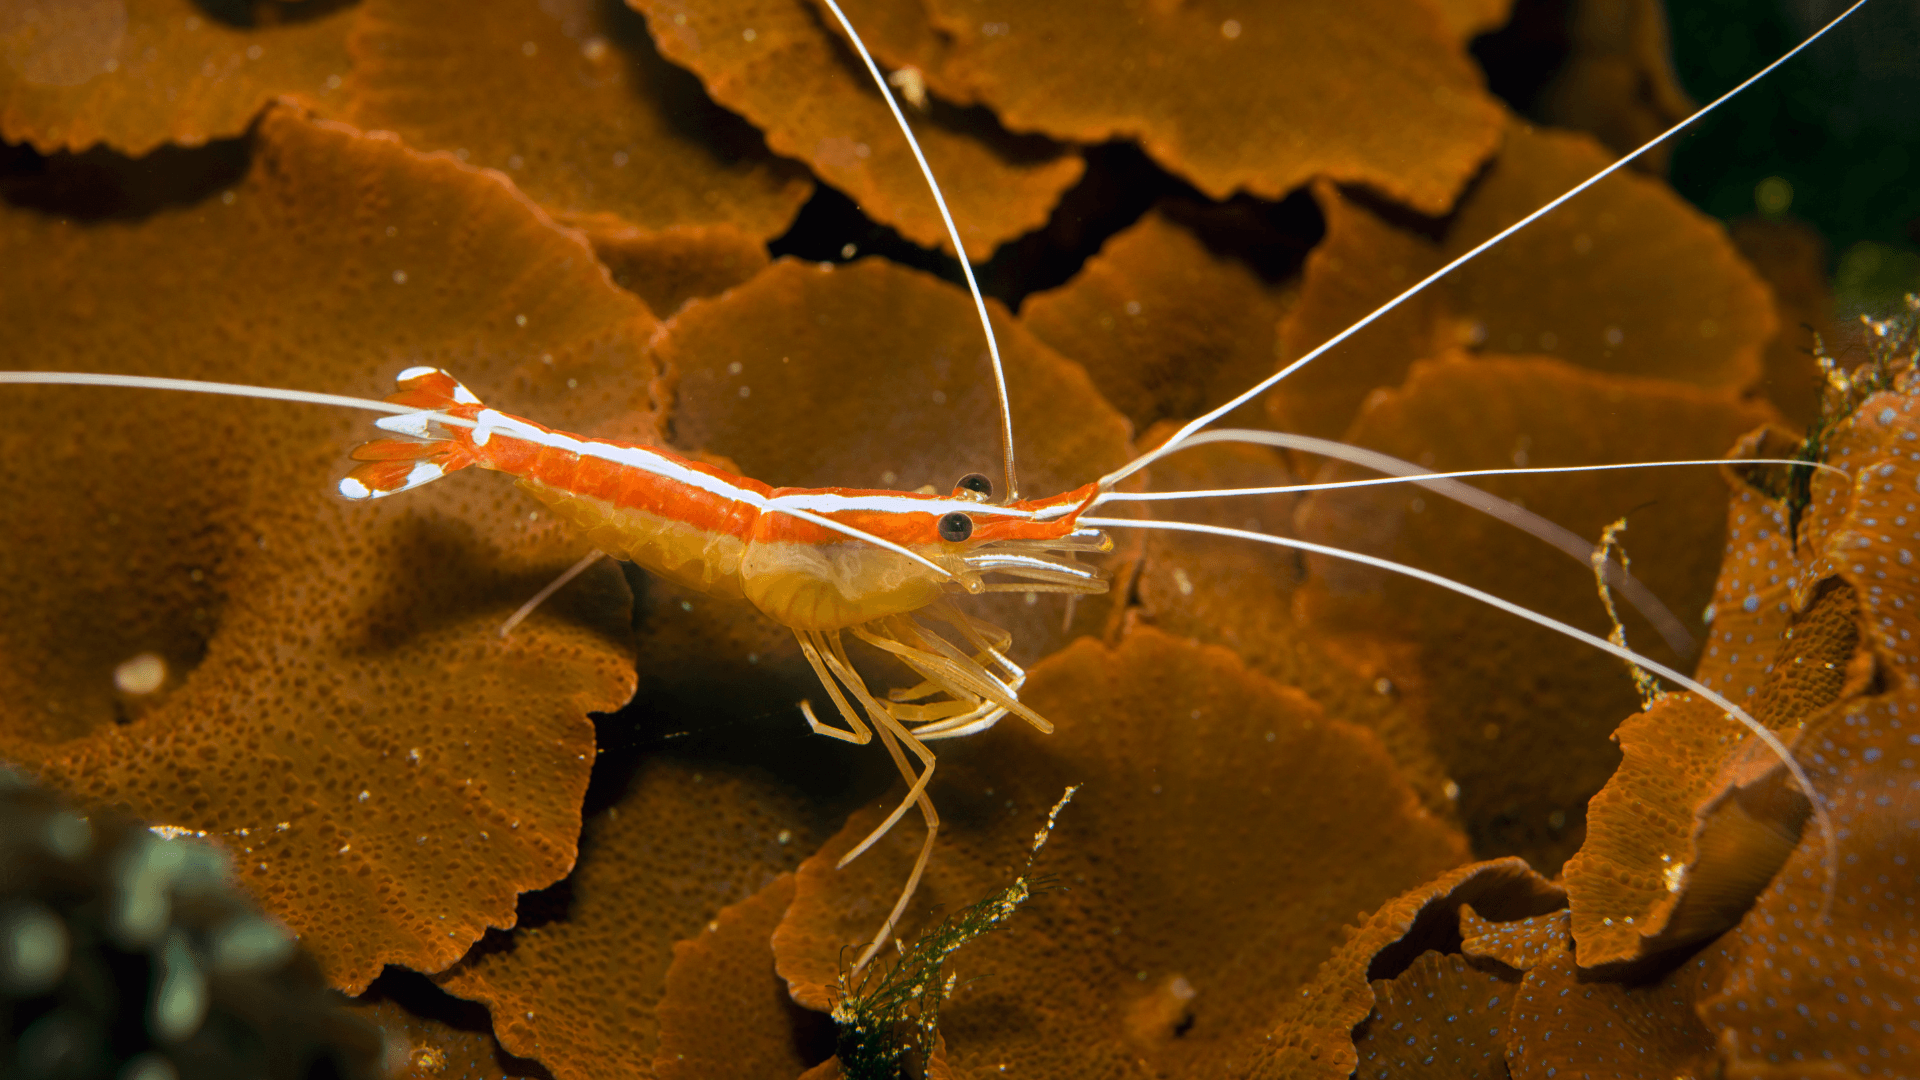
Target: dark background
column 1841, row 123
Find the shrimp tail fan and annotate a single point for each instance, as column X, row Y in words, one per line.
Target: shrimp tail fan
column 428, row 449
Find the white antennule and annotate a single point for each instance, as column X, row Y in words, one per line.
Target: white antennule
column 1424, row 478
column 201, row 386
column 1576, row 547
column 1830, row 862
column 960, row 249
column 1420, row 286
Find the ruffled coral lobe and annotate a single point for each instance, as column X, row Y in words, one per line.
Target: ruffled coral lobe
column 336, row 706
column 595, row 215
column 1178, row 900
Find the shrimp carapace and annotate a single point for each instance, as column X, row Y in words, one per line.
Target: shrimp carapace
column 821, row 559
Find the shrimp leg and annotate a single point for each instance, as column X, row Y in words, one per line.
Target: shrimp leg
column 520, row 614
column 892, row 733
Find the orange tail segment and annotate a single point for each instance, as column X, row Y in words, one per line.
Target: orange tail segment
column 429, row 451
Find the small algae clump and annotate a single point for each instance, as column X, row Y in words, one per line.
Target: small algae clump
column 889, row 1018
column 1892, row 346
column 1603, row 553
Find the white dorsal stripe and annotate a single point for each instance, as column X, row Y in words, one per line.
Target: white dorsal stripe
column 495, row 422
column 492, row 421
column 829, row 502
column 639, row 457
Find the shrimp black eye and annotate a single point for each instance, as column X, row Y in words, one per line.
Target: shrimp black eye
column 976, row 483
column 955, row 527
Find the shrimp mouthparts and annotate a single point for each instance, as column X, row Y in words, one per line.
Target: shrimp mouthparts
column 1036, row 565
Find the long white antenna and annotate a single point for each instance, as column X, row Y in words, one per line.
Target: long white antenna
column 953, row 233
column 308, row 397
column 1831, row 861
column 1425, row 477
column 1580, row 548
column 199, row 386
column 1266, row 384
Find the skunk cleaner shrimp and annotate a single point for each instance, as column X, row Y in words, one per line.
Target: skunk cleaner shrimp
column 834, row 562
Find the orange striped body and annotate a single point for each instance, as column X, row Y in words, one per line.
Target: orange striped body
column 702, row 526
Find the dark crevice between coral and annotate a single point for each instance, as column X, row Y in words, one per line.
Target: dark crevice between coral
column 975, row 122
column 1436, row 927
column 830, row 221
column 815, row 1036
column 678, row 94
column 102, row 185
column 713, row 712
column 1522, row 57
column 255, row 14
column 1433, row 229
column 733, row 734
column 418, row 995
column 1120, row 186
column 1542, row 829
column 1271, row 238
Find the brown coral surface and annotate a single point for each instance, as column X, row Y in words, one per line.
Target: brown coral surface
column 1312, row 1035
column 1572, row 285
column 579, row 992
column 572, row 100
column 1181, row 903
column 714, row 1024
column 336, row 706
column 1682, row 839
column 1185, row 79
column 778, row 65
column 1440, row 1018
column 134, row 74
column 1842, row 987
column 1155, row 308
column 1445, row 652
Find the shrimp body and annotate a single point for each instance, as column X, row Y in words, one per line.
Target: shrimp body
column 821, row 561
column 731, row 536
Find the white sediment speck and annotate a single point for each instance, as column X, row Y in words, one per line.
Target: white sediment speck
column 143, row 674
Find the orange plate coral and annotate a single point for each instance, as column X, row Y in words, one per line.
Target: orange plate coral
column 1323, row 813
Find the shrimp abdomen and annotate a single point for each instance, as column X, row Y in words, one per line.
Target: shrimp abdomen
column 699, row 556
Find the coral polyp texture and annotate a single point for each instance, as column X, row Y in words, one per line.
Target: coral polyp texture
column 1328, row 822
